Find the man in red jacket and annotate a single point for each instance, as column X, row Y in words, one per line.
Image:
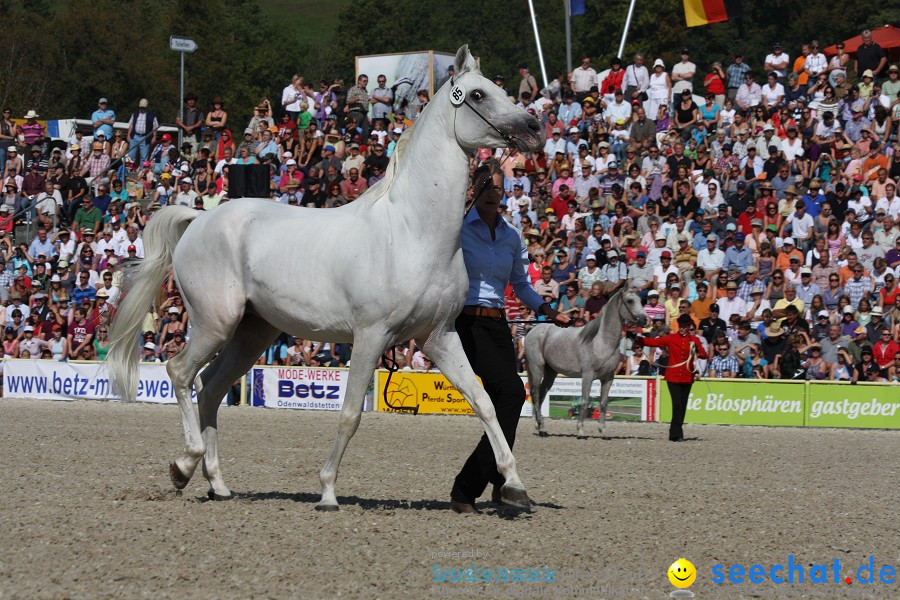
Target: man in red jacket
column 679, row 372
column 884, row 350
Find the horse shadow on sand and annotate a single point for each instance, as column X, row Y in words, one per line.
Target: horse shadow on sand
column 506, row 512
column 596, row 437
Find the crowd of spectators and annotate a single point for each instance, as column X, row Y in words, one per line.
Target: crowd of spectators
column 768, row 212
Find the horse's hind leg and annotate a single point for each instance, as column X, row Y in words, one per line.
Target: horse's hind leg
column 249, row 341
column 183, row 371
column 585, row 403
column 365, row 356
column 605, row 386
column 542, row 390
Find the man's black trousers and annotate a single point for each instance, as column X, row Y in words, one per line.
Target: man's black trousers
column 489, row 347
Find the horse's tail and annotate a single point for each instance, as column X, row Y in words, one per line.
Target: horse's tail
column 142, row 281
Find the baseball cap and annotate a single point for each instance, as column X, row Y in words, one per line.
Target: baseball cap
column 132, row 248
column 823, row 313
column 789, row 240
column 652, row 293
column 591, row 257
column 848, row 310
column 612, row 254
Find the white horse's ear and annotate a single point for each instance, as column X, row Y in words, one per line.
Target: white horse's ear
column 464, row 60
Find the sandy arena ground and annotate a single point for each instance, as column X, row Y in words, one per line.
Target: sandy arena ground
column 88, row 510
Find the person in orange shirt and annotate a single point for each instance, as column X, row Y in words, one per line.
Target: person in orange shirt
column 799, row 64
column 788, row 250
column 684, row 308
column 873, row 163
column 846, row 272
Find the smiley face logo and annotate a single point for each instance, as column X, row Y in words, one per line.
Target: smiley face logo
column 682, row 573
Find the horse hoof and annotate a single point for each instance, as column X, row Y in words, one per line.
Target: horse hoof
column 327, row 507
column 179, row 479
column 217, row 498
column 543, row 434
column 516, row 497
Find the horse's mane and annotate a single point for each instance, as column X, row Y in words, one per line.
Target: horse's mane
column 589, row 331
column 380, row 189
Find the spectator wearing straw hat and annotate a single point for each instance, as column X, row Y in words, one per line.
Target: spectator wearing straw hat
column 32, row 132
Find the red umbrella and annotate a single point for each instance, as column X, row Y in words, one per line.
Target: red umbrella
column 888, row 37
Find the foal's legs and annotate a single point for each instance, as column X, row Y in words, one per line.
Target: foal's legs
column 584, row 404
column 250, row 340
column 365, row 356
column 605, row 386
column 446, row 351
column 539, row 395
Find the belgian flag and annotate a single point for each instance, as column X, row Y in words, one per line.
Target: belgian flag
column 703, row 12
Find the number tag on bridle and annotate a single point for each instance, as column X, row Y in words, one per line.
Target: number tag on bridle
column 457, row 95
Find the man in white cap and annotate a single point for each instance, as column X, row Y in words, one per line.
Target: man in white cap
column 614, row 274
column 141, row 134
column 31, row 344
column 186, row 195
column 103, row 119
column 807, row 289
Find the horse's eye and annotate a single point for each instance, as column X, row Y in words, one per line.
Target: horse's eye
column 477, row 95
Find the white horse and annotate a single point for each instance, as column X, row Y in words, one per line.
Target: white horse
column 590, row 352
column 383, row 269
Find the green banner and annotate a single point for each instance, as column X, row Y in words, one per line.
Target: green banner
column 740, row 402
column 867, row 406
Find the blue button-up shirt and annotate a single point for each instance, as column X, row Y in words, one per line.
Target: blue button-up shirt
column 742, row 258
column 492, row 263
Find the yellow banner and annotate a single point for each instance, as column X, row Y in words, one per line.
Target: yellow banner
column 430, row 391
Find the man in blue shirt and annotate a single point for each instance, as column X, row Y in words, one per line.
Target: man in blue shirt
column 103, row 119
column 495, row 255
column 738, row 255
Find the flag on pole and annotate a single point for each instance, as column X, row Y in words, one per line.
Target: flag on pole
column 576, row 7
column 703, row 12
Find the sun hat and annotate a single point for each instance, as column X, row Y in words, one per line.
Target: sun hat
column 774, row 330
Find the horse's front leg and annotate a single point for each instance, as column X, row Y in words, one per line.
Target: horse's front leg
column 584, row 405
column 605, row 386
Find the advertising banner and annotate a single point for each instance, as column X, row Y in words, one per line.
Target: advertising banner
column 53, row 380
column 633, row 398
column 867, row 406
column 304, row 388
column 431, row 392
column 740, row 402
column 406, row 73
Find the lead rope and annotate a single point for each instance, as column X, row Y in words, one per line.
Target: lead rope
column 392, row 367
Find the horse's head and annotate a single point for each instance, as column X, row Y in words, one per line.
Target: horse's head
column 484, row 117
column 632, row 310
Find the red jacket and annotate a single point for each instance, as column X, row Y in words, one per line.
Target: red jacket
column 560, row 206
column 884, row 353
column 679, row 347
